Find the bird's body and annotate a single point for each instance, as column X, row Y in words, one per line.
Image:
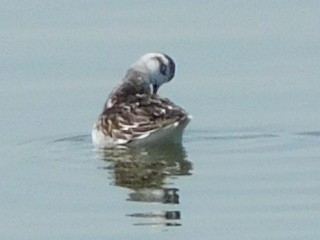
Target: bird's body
column 146, row 119
column 133, row 115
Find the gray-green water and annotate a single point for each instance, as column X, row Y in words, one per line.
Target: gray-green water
column 249, row 164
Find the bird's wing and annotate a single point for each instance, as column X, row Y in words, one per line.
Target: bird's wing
column 135, row 120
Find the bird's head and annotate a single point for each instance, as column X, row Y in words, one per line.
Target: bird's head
column 159, row 67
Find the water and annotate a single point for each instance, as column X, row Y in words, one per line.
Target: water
column 249, row 164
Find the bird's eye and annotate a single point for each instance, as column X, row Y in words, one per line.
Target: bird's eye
column 163, row 69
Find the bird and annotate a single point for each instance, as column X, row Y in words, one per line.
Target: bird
column 134, row 114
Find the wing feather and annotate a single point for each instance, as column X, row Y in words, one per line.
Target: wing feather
column 137, row 120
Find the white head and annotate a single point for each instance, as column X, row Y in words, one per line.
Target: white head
column 159, row 67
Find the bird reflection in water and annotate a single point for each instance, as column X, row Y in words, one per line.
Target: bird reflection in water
column 146, row 171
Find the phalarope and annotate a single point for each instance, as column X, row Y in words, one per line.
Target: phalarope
column 133, row 115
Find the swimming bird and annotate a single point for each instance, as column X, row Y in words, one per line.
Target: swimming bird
column 136, row 115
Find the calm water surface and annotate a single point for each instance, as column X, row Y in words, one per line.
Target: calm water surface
column 249, row 164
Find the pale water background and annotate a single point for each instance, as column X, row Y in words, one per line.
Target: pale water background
column 249, row 165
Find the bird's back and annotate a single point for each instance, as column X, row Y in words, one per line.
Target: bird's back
column 150, row 118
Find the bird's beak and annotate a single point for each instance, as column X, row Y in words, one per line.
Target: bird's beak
column 155, row 88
